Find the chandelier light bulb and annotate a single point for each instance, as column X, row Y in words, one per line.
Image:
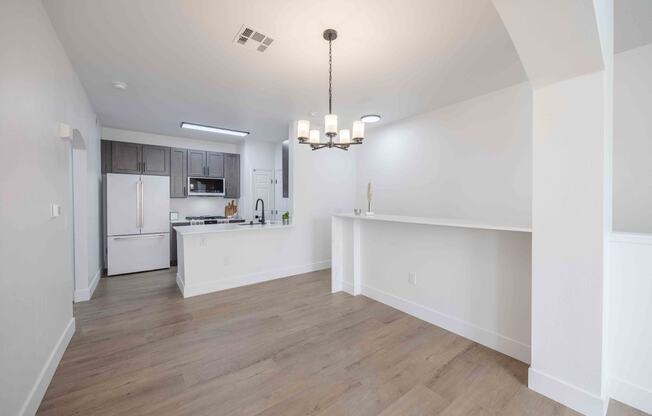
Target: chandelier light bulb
column 330, row 124
column 314, row 136
column 358, row 130
column 303, row 128
column 345, row 136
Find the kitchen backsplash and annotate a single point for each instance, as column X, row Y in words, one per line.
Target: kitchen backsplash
column 195, row 206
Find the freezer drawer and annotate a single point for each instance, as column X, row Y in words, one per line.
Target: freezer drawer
column 137, row 253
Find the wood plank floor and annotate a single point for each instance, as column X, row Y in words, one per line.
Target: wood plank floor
column 286, row 347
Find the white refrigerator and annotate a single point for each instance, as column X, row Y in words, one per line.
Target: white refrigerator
column 137, row 223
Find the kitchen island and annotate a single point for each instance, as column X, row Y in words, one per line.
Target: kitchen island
column 222, row 256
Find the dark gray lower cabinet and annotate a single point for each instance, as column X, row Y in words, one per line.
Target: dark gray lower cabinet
column 155, row 160
column 196, row 163
column 125, row 157
column 178, row 172
column 173, row 242
column 232, row 175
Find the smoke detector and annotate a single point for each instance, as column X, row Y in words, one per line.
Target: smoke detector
column 252, row 39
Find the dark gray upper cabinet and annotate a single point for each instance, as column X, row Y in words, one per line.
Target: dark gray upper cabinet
column 196, row 163
column 232, row 175
column 178, row 173
column 137, row 158
column 125, row 157
column 105, row 151
column 215, row 165
column 156, row 160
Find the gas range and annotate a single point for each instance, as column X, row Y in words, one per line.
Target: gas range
column 211, row 219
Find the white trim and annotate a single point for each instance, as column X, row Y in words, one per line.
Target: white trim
column 237, row 281
column 180, row 284
column 83, row 295
column 633, row 238
column 567, row 394
column 486, row 337
column 444, row 222
column 631, row 394
column 348, row 288
column 35, row 395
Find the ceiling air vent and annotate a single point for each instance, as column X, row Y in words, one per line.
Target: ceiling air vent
column 252, row 39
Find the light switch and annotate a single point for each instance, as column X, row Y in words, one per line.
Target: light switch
column 55, row 210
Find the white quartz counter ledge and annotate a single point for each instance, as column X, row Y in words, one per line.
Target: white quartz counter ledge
column 223, row 228
column 437, row 221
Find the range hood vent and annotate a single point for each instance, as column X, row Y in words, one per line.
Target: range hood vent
column 252, row 39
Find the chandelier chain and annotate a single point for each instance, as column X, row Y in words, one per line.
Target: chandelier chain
column 330, row 76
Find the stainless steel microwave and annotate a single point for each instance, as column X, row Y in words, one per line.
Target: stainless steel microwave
column 206, row 186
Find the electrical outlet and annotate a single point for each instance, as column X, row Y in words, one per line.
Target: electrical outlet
column 412, row 278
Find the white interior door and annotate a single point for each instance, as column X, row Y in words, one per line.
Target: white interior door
column 263, row 188
column 155, row 200
column 122, row 204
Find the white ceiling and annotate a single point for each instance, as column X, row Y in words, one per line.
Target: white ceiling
column 632, row 24
column 394, row 58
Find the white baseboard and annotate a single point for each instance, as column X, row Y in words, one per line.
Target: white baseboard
column 180, row 284
column 347, row 287
column 43, row 380
column 571, row 396
column 632, row 395
column 237, row 281
column 483, row 336
column 84, row 294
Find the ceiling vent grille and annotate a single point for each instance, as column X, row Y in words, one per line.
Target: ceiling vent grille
column 252, row 39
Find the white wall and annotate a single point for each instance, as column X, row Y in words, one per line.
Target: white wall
column 471, row 160
column 630, row 331
column 39, row 90
column 633, row 140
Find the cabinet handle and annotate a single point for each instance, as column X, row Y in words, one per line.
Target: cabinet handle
column 184, row 190
column 144, row 166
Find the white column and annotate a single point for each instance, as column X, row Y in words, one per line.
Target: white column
column 357, row 274
column 566, row 50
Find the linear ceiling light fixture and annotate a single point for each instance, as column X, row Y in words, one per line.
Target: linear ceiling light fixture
column 211, row 129
column 346, row 137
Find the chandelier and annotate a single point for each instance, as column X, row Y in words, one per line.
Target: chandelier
column 346, row 137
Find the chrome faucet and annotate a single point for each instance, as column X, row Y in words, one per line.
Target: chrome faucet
column 262, row 220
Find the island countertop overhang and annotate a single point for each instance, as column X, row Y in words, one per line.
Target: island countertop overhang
column 222, row 228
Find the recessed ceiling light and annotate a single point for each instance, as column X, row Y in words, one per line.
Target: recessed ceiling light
column 120, row 85
column 370, row 118
column 219, row 130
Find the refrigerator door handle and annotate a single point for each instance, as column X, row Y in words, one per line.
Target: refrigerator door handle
column 138, row 204
column 142, row 204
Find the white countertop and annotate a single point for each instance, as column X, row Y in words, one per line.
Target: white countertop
column 221, row 228
column 446, row 222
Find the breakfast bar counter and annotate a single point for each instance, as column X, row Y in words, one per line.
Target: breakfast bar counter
column 469, row 277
